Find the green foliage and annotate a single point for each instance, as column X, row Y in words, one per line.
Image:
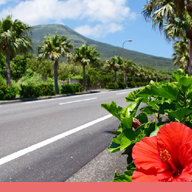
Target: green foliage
column 136, row 84
column 43, row 67
column 2, row 81
column 112, row 86
column 7, row 93
column 77, row 87
column 122, row 85
column 126, row 177
column 2, row 65
column 164, row 101
column 30, row 78
column 19, row 66
column 70, row 89
column 68, row 70
column 30, row 91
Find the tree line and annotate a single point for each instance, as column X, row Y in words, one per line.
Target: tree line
column 15, row 41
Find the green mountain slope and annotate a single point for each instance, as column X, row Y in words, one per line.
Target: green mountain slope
column 106, row 50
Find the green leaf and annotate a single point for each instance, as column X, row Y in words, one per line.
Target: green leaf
column 150, row 127
column 169, row 90
column 127, row 137
column 115, row 144
column 126, row 177
column 185, row 81
column 145, row 130
column 133, row 95
column 113, row 109
column 165, row 106
column 148, row 110
column 142, row 117
column 131, row 109
column 154, row 133
column 127, row 122
column 119, row 130
column 177, row 75
column 179, row 114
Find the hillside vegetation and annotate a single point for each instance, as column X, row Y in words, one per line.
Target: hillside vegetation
column 106, row 50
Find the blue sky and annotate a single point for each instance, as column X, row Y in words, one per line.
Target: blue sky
column 108, row 21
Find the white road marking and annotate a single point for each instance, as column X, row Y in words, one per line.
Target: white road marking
column 32, row 148
column 60, row 98
column 123, row 93
column 77, row 101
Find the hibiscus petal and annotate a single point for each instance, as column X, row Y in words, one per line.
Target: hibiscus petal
column 146, row 156
column 185, row 176
column 171, row 137
column 144, row 176
column 185, row 155
column 166, row 176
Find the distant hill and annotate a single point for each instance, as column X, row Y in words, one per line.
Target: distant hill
column 106, row 50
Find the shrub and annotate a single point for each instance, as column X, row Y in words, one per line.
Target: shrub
column 122, row 85
column 132, row 84
column 164, row 102
column 7, row 93
column 78, row 87
column 47, row 89
column 66, row 89
column 112, row 86
column 70, row 89
column 30, row 91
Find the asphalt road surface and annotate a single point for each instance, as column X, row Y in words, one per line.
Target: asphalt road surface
column 50, row 140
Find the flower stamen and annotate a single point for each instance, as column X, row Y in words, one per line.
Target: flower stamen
column 166, row 157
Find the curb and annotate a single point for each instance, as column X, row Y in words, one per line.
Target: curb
column 101, row 168
column 42, row 98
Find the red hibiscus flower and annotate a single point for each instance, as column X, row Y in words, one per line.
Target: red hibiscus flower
column 166, row 157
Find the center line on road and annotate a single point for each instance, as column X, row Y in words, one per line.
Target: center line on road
column 122, row 93
column 77, row 101
column 32, row 148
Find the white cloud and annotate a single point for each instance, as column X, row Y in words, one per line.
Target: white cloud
column 99, row 30
column 106, row 15
column 41, row 11
column 107, row 10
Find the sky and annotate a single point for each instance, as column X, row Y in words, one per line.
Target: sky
column 107, row 21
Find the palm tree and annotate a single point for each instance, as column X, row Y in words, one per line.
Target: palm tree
column 54, row 47
column 173, row 17
column 181, row 54
column 14, row 39
column 114, row 63
column 140, row 73
column 85, row 55
column 129, row 67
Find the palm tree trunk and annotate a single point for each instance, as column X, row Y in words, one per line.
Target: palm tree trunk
column 84, row 79
column 133, row 75
column 126, row 79
column 55, row 77
column 190, row 57
column 8, row 69
column 115, row 76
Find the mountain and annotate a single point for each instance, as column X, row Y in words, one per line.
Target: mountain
column 106, row 50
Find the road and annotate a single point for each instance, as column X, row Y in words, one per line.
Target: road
column 50, row 140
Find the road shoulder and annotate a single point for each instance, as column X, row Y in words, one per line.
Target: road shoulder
column 101, row 168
